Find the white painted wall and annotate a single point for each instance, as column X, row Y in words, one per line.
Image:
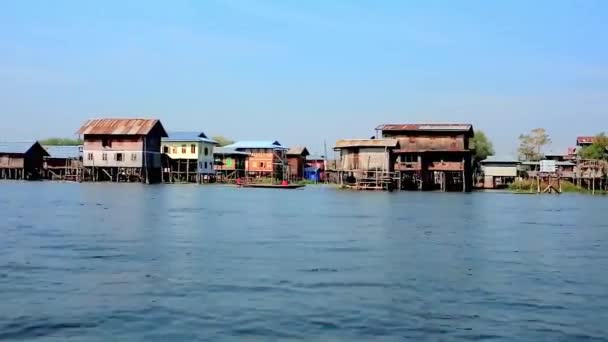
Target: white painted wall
column 205, row 161
column 500, row 171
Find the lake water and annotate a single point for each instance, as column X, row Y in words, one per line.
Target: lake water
column 108, row 262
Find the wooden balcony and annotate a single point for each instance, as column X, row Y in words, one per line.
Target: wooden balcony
column 446, row 166
column 413, row 166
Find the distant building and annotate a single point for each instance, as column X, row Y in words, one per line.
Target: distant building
column 315, row 169
column 122, row 149
column 432, row 156
column 499, row 172
column 564, row 168
column 21, row 160
column 63, row 162
column 584, row 140
column 190, row 156
column 296, row 159
column 266, row 158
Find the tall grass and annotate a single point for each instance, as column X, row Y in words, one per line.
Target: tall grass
column 530, row 185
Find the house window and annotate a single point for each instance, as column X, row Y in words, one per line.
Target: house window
column 133, row 156
column 183, row 149
column 193, row 149
column 106, row 142
column 205, row 165
column 174, row 150
column 119, row 157
column 165, row 149
column 262, row 164
column 409, row 158
column 200, row 165
column 206, row 151
column 104, row 156
column 90, row 156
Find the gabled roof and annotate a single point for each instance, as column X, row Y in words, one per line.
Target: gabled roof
column 298, row 151
column 20, row 147
column 64, row 151
column 228, row 151
column 189, row 136
column 427, row 127
column 315, row 157
column 352, row 143
column 262, row 144
column 121, row 127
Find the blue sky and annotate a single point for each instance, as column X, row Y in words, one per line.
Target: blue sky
column 306, row 71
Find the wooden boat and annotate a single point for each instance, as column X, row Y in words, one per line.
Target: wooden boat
column 273, row 186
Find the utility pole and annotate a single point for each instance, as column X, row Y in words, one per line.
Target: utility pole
column 325, row 161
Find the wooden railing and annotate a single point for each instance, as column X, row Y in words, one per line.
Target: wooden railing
column 411, row 166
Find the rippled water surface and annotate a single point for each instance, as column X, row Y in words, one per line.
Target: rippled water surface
column 107, row 262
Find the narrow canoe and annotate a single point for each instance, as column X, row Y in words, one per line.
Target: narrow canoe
column 273, row 186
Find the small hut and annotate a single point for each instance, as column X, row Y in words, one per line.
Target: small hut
column 296, row 159
column 366, row 163
column 22, row 160
column 63, row 163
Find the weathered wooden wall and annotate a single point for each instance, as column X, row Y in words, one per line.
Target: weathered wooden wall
column 430, row 142
column 364, row 159
column 260, row 160
column 12, row 161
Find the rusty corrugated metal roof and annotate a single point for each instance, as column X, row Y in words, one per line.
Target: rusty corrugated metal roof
column 425, row 150
column 120, row 127
column 346, row 143
column 426, row 127
column 298, row 151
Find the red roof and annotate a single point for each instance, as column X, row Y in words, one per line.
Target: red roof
column 121, row 127
column 584, row 140
column 427, row 127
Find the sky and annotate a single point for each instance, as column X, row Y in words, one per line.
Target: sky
column 306, row 72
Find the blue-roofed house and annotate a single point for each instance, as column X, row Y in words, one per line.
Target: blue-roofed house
column 499, row 172
column 21, row 160
column 267, row 158
column 63, row 163
column 190, row 157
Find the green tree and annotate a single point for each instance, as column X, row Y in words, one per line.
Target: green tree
column 61, row 142
column 531, row 144
column 222, row 141
column 597, row 150
column 482, row 145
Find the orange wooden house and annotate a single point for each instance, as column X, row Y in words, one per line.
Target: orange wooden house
column 266, row 158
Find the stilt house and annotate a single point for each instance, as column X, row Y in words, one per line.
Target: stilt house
column 122, row 149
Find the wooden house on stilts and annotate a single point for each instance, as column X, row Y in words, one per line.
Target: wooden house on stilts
column 432, row 156
column 122, row 150
column 21, row 160
column 188, row 157
column 366, row 164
